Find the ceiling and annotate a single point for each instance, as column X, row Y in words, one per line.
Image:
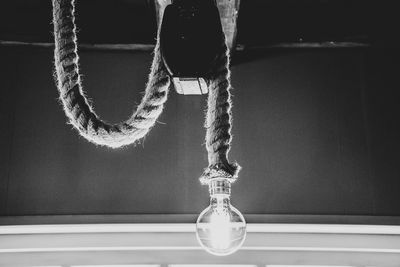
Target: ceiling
column 260, row 22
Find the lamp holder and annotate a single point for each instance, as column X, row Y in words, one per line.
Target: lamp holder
column 219, row 187
column 190, row 39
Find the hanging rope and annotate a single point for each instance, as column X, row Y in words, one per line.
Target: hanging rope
column 82, row 116
column 77, row 108
column 219, row 121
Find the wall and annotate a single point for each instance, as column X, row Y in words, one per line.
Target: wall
column 316, row 132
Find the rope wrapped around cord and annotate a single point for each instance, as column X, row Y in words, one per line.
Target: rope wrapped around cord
column 82, row 116
column 219, row 121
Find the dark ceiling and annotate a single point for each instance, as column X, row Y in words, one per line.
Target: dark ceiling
column 260, row 22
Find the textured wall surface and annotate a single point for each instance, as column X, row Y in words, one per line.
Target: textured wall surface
column 316, row 132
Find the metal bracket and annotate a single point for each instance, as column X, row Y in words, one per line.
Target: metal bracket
column 190, row 86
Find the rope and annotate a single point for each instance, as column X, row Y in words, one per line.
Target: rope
column 219, row 121
column 77, row 108
column 82, row 116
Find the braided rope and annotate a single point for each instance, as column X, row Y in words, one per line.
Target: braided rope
column 82, row 116
column 219, row 121
column 77, row 108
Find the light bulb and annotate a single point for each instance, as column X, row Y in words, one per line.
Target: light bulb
column 220, row 228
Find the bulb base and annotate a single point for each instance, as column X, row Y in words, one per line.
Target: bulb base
column 219, row 187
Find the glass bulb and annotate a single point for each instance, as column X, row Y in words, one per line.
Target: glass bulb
column 221, row 228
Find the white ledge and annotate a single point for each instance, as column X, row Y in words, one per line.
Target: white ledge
column 191, row 228
column 163, row 243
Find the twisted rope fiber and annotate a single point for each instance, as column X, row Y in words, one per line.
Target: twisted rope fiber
column 77, row 108
column 219, row 121
column 82, row 116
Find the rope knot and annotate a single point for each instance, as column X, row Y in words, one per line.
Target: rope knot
column 228, row 171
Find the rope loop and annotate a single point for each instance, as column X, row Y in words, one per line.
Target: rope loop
column 81, row 114
column 76, row 106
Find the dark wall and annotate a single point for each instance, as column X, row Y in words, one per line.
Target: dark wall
column 316, row 132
